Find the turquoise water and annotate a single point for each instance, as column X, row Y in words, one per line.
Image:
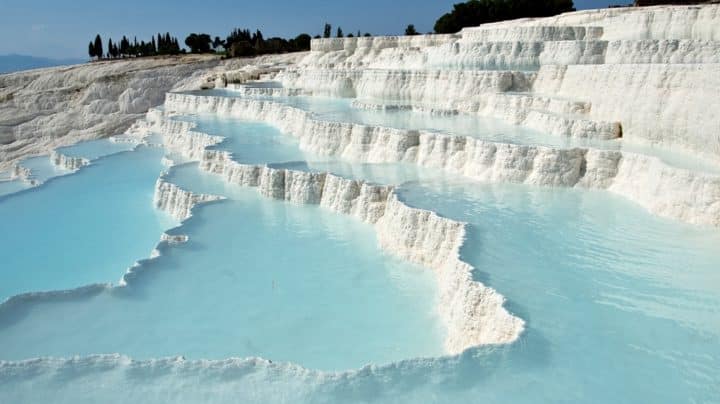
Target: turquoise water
column 257, row 278
column 251, row 142
column 611, row 317
column 83, row 228
column 42, row 168
column 620, row 306
column 11, row 186
column 254, row 272
column 95, row 149
column 340, row 110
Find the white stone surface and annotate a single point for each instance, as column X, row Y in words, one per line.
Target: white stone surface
column 67, row 162
column 176, row 201
column 650, row 74
column 41, row 110
column 668, row 105
column 675, row 193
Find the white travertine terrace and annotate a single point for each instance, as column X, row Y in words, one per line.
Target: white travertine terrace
column 19, row 172
column 174, row 238
column 642, row 76
column 177, row 201
column 650, row 75
column 690, row 196
column 635, row 75
column 473, row 313
column 66, row 162
column 43, row 109
column 574, row 75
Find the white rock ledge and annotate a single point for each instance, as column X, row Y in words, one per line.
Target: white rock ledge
column 178, row 202
column 19, row 172
column 174, row 239
column 67, row 162
column 653, row 70
column 472, row 312
column 689, row 196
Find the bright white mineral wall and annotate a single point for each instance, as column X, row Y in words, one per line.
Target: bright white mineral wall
column 575, row 75
column 650, row 75
column 177, row 201
column 686, row 195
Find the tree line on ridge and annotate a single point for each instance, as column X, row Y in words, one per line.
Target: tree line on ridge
column 243, row 42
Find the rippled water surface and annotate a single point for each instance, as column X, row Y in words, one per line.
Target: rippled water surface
column 620, row 306
column 613, row 296
column 257, row 278
column 82, row 228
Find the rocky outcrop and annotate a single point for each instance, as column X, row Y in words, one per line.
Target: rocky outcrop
column 177, row 201
column 67, row 162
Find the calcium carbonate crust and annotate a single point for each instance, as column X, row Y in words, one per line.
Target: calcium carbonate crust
column 44, row 109
column 653, row 51
column 472, row 313
column 649, row 74
column 163, row 378
column 178, row 202
column 681, row 194
column 68, row 163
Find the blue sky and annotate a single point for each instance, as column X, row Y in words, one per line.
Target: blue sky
column 62, row 29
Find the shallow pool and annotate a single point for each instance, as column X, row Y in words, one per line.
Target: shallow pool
column 257, row 278
column 274, row 302
column 83, row 228
column 621, row 305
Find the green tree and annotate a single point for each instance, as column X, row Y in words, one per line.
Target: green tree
column 410, row 30
column 339, row 33
column 258, row 41
column 134, row 47
column 98, row 46
column 124, row 47
column 327, row 30
column 174, row 46
column 302, row 42
column 91, row 49
column 198, row 43
column 475, row 12
column 217, row 43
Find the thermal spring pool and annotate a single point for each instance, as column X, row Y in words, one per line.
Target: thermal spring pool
column 621, row 306
column 219, row 295
column 278, row 294
column 83, row 228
